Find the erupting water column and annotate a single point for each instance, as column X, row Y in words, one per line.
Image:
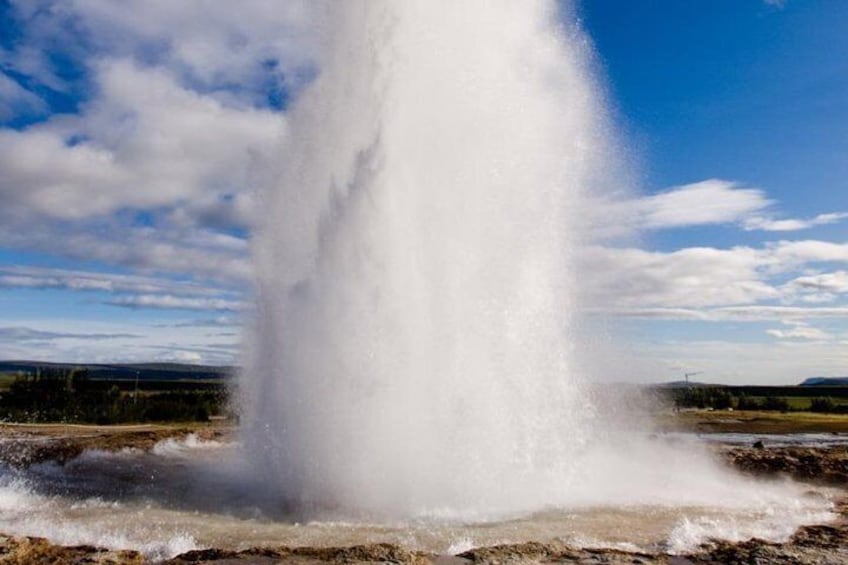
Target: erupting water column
column 414, row 351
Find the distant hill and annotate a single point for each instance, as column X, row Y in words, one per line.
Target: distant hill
column 825, row 381
column 128, row 371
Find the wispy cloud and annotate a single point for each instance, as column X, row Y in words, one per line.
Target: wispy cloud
column 817, row 288
column 712, row 201
column 217, row 322
column 801, row 332
column 30, row 334
column 16, row 100
column 771, row 224
column 169, row 302
column 708, row 202
column 75, row 280
column 749, row 313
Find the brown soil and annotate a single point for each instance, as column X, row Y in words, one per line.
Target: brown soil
column 753, row 422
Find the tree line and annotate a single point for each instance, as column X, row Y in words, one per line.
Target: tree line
column 60, row 395
column 723, row 398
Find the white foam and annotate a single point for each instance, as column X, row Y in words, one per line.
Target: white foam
column 173, row 447
column 774, row 523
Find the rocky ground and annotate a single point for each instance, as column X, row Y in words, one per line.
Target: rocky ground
column 821, row 544
column 827, row 466
column 26, row 444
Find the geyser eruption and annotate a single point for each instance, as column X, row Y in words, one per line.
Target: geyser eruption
column 415, row 279
column 416, row 350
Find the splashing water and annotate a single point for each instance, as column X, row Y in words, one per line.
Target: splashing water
column 417, row 344
column 415, row 287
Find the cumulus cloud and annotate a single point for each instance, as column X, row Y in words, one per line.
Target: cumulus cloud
column 236, row 54
column 172, row 120
column 678, row 283
column 231, row 52
column 691, row 277
column 175, row 122
column 145, row 143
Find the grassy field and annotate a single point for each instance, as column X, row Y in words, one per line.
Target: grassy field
column 6, row 379
column 802, row 402
column 755, row 422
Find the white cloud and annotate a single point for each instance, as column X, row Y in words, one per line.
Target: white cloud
column 712, row 201
column 691, row 277
column 169, row 302
column 19, row 334
column 800, row 332
column 145, row 143
column 16, row 100
column 76, row 280
column 231, row 53
column 770, row 224
column 128, row 340
column 211, row 45
column 703, row 282
column 747, row 313
column 835, row 282
column 217, row 322
column 176, row 126
column 708, row 202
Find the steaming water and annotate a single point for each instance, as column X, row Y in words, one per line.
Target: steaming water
column 415, row 343
column 185, row 495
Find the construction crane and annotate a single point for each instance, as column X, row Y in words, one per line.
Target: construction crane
column 687, row 375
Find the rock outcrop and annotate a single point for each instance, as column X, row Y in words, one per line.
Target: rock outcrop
column 821, row 465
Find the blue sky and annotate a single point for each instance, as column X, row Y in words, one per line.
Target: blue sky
column 133, row 138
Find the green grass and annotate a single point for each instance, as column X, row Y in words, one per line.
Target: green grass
column 803, row 402
column 6, row 379
column 754, row 422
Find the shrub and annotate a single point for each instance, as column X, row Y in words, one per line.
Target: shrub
column 824, row 404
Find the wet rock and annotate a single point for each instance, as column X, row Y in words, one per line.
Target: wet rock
column 35, row 551
column 825, row 545
column 371, row 553
column 824, row 465
column 534, row 552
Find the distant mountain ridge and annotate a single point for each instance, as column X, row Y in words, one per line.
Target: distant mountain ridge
column 825, row 381
column 125, row 371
